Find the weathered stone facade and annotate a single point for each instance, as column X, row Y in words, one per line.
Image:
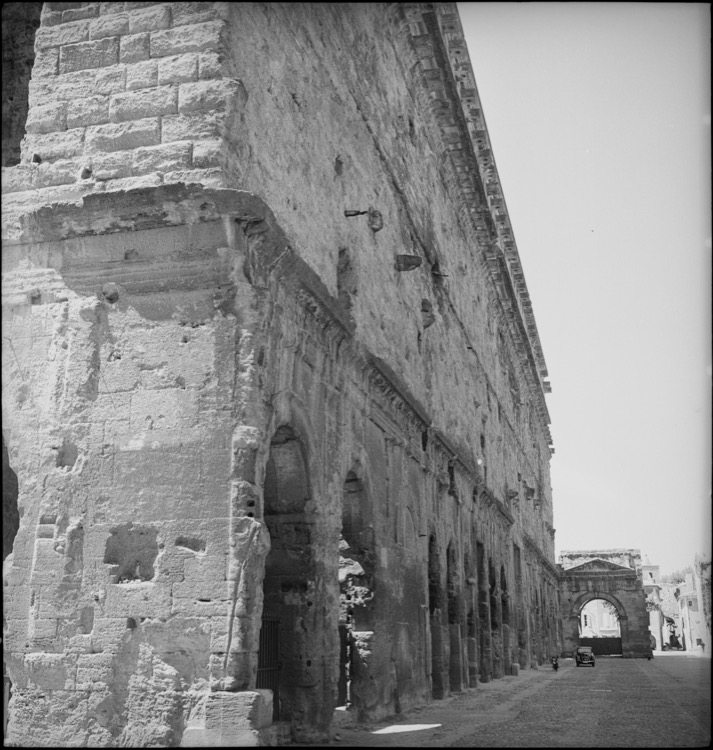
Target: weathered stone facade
column 270, row 368
column 614, row 575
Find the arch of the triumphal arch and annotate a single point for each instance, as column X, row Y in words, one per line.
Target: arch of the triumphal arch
column 612, row 575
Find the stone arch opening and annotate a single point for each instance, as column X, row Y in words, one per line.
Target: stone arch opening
column 505, row 618
column 470, row 619
column 288, row 628
column 356, row 592
column 599, row 625
column 435, row 608
column 486, row 664
column 495, row 619
column 455, row 635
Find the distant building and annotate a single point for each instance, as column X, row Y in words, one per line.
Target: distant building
column 694, row 607
column 652, row 589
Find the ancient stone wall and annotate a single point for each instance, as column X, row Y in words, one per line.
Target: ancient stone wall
column 272, row 386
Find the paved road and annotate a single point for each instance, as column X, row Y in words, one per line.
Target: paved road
column 665, row 702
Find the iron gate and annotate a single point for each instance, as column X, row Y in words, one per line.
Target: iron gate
column 268, row 661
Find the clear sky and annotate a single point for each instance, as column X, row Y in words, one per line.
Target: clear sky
column 599, row 117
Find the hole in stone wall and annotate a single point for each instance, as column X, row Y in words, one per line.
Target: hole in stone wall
column 193, row 543
column 110, row 292
column 132, row 550
column 130, row 623
column 86, row 620
column 67, row 454
column 74, row 553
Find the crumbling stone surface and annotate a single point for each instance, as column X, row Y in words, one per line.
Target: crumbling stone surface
column 264, row 466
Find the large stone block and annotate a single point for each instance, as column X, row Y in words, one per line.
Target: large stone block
column 122, row 136
column 250, row 709
column 142, row 75
column 209, row 153
column 193, row 12
column 210, row 65
column 134, row 48
column 202, row 37
column 66, row 33
column 222, row 94
column 136, row 105
column 96, row 54
column 194, row 126
column 165, row 158
column 109, row 166
column 47, row 118
column 61, row 172
column 178, row 69
column 150, row 19
column 53, row 146
column 137, row 600
column 109, row 25
column 110, row 80
column 213, row 177
column 46, row 63
column 91, row 110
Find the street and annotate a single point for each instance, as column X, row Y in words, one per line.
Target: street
column 665, row 702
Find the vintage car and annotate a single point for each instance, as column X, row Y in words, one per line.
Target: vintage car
column 584, row 655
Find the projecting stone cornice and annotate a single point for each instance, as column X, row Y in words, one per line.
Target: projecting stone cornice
column 445, row 70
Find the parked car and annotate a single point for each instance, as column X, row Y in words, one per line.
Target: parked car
column 584, row 655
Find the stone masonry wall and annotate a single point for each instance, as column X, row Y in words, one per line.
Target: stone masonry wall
column 263, row 368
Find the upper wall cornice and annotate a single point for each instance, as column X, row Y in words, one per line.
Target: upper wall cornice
column 437, row 36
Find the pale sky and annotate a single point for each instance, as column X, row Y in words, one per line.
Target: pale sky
column 599, row 117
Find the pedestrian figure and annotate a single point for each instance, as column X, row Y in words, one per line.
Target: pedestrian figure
column 555, row 663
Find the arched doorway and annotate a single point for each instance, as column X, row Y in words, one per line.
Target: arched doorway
column 455, row 635
column 287, row 636
column 435, row 608
column 356, row 591
column 599, row 627
column 505, row 613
